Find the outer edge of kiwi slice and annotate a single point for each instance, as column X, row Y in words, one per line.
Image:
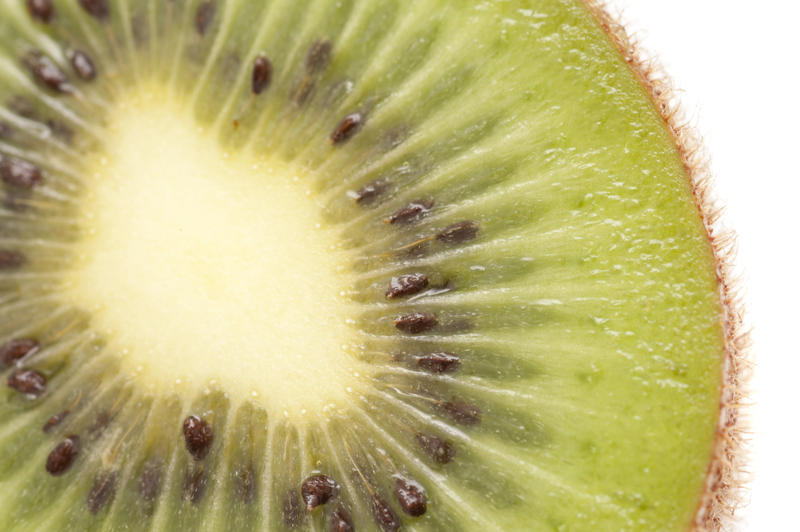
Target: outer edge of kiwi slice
column 721, row 487
column 726, row 480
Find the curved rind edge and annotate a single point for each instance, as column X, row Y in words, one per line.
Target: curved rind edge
column 726, row 479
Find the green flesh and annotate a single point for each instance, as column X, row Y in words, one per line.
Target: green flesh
column 595, row 349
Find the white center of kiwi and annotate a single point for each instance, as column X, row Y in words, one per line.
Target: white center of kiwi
column 212, row 269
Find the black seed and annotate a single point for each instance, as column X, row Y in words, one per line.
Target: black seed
column 318, row 57
column 41, row 9
column 61, row 130
column 20, row 173
column 17, row 349
column 458, row 232
column 246, row 484
column 384, row 515
column 262, row 74
column 28, row 381
column 47, row 73
column 458, row 325
column 96, row 8
column 10, row 260
column 318, row 490
column 412, row 212
column 150, row 482
column 411, row 497
column 16, row 200
column 61, row 458
column 54, row 421
column 100, row 423
column 140, row 29
column 348, row 127
column 317, row 60
column 416, row 249
column 416, row 323
column 464, row 413
column 302, row 91
column 341, row 521
column 407, row 285
column 204, row 17
column 441, row 451
column 102, row 492
column 440, row 362
column 369, row 193
column 194, row 485
column 22, row 106
column 292, row 509
column 198, row 435
column 82, row 64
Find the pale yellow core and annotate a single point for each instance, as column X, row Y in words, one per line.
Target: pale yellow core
column 208, row 270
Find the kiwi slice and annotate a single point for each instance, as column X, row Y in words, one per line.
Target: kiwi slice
column 353, row 265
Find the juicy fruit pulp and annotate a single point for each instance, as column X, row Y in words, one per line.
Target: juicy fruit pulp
column 347, row 263
column 181, row 237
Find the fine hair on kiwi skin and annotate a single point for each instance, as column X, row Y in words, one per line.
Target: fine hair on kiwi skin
column 726, row 480
column 416, row 448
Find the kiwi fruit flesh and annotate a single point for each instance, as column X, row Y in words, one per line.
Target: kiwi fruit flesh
column 350, row 265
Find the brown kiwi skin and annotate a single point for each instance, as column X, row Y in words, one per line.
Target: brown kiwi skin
column 726, row 481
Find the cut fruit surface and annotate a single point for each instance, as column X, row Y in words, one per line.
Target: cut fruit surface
column 180, row 236
column 353, row 264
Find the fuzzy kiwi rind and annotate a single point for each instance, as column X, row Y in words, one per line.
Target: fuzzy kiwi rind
column 726, row 481
column 195, row 486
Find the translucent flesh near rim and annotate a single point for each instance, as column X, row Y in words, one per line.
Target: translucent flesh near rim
column 584, row 311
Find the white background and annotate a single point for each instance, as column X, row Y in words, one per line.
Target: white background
column 736, row 63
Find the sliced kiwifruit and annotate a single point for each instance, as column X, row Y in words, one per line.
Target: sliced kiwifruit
column 352, row 265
